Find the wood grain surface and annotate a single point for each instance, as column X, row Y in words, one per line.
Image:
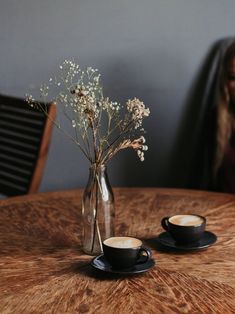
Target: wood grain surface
column 43, row 269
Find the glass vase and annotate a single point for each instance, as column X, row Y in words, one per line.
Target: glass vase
column 97, row 210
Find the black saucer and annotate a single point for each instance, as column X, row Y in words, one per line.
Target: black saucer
column 100, row 262
column 207, row 240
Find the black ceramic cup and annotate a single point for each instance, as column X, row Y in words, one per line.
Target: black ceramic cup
column 125, row 252
column 185, row 228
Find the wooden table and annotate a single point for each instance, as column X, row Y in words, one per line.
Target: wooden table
column 43, row 270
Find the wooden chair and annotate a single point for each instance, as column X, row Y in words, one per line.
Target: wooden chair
column 24, row 141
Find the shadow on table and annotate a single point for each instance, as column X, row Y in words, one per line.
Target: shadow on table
column 85, row 268
column 154, row 244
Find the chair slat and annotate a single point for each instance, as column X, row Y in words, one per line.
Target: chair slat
column 13, row 168
column 21, row 136
column 20, row 162
column 5, row 124
column 21, row 119
column 10, row 188
column 18, row 144
column 23, row 110
column 17, row 152
column 13, row 177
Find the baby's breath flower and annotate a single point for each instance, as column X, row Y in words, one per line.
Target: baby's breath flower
column 138, row 111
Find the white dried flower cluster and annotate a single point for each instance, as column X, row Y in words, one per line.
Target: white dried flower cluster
column 30, row 100
column 102, row 127
column 138, row 111
column 138, row 145
column 109, row 106
column 142, row 149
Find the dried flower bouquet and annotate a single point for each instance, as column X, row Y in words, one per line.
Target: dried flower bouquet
column 101, row 127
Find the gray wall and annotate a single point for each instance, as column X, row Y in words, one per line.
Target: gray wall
column 150, row 49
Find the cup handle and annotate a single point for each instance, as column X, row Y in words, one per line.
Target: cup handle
column 148, row 255
column 164, row 223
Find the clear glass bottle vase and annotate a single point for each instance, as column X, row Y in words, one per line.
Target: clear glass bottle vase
column 98, row 210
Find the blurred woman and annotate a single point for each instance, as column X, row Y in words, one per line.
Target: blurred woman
column 212, row 164
column 223, row 167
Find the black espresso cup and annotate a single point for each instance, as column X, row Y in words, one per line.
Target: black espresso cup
column 125, row 252
column 185, row 228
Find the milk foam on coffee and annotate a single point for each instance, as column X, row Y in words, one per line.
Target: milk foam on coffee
column 186, row 220
column 123, row 242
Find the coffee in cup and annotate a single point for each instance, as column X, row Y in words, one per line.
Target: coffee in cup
column 185, row 228
column 125, row 252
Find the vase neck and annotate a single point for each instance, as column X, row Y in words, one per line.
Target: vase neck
column 97, row 172
column 98, row 176
column 97, row 168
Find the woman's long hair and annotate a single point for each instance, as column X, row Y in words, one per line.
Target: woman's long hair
column 224, row 114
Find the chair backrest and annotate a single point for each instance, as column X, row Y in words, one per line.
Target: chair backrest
column 24, row 141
